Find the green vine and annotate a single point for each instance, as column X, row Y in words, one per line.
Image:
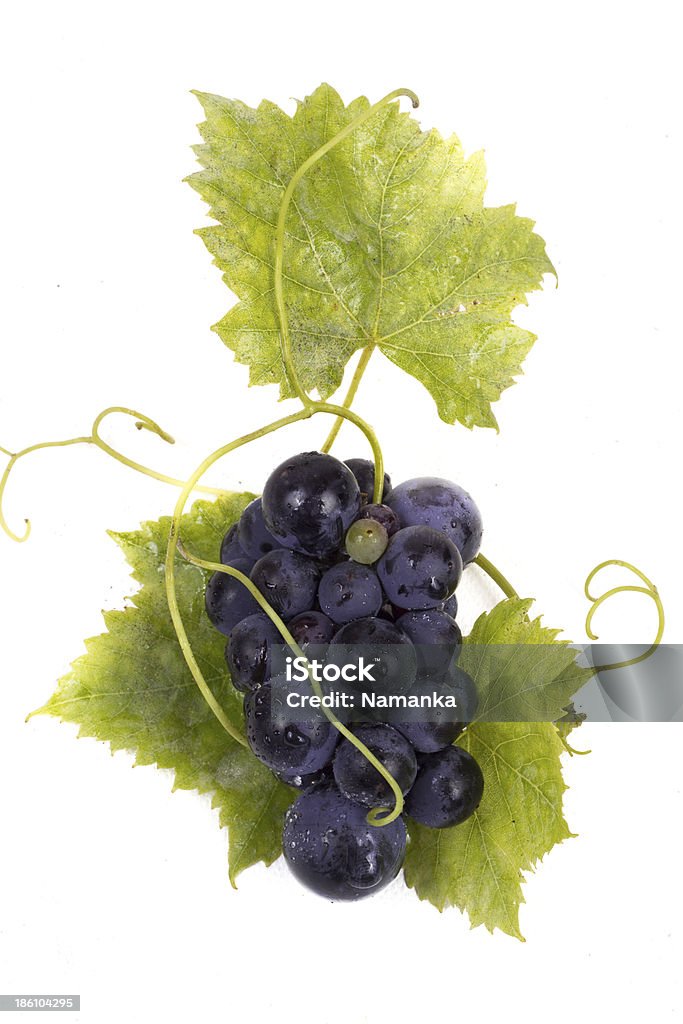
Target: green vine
column 142, row 422
column 309, row 408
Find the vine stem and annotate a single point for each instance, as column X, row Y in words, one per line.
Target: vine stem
column 94, row 438
column 496, row 575
column 375, row 817
column 366, row 355
column 285, row 339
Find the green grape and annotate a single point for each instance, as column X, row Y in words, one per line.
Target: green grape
column 366, row 541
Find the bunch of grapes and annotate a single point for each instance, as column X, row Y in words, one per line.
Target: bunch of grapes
column 341, row 570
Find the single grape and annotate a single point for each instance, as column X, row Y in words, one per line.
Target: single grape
column 231, row 549
column 448, row 788
column 297, row 741
column 332, row 849
column 450, row 607
column 364, row 472
column 366, row 541
column 359, row 780
column 380, row 643
column 443, row 505
column 288, row 581
column 464, row 689
column 312, row 628
column 227, row 600
column 253, row 534
column 350, row 591
column 437, row 639
column 309, row 502
column 432, row 725
column 420, row 568
column 247, row 651
column 430, row 736
column 383, row 515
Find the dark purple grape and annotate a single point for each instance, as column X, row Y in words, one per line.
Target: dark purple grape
column 364, row 472
column 312, row 628
column 231, row 549
column 356, row 777
column 431, row 501
column 247, row 651
column 435, row 724
column 383, row 515
column 287, row 739
column 464, row 689
column 288, row 581
column 309, row 502
column 227, row 600
column 253, row 534
column 350, row 591
column 429, row 736
column 380, row 642
column 448, row 788
column 331, row 849
column 420, row 568
column 450, row 607
column 437, row 639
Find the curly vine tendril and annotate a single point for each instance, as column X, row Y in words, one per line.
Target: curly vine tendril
column 649, row 590
column 142, row 422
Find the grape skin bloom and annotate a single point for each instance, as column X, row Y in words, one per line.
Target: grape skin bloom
column 364, row 472
column 437, row 639
column 350, row 591
column 284, row 740
column 309, row 502
column 247, row 651
column 288, row 581
column 359, row 780
column 332, row 849
column 420, row 569
column 253, row 534
column 443, row 505
column 227, row 599
column 448, row 789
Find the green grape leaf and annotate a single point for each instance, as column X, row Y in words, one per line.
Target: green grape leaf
column 523, row 672
column 133, row 689
column 388, row 245
column 477, row 866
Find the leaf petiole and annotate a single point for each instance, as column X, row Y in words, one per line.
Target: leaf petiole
column 350, row 395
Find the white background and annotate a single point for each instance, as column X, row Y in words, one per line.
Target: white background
column 109, row 885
